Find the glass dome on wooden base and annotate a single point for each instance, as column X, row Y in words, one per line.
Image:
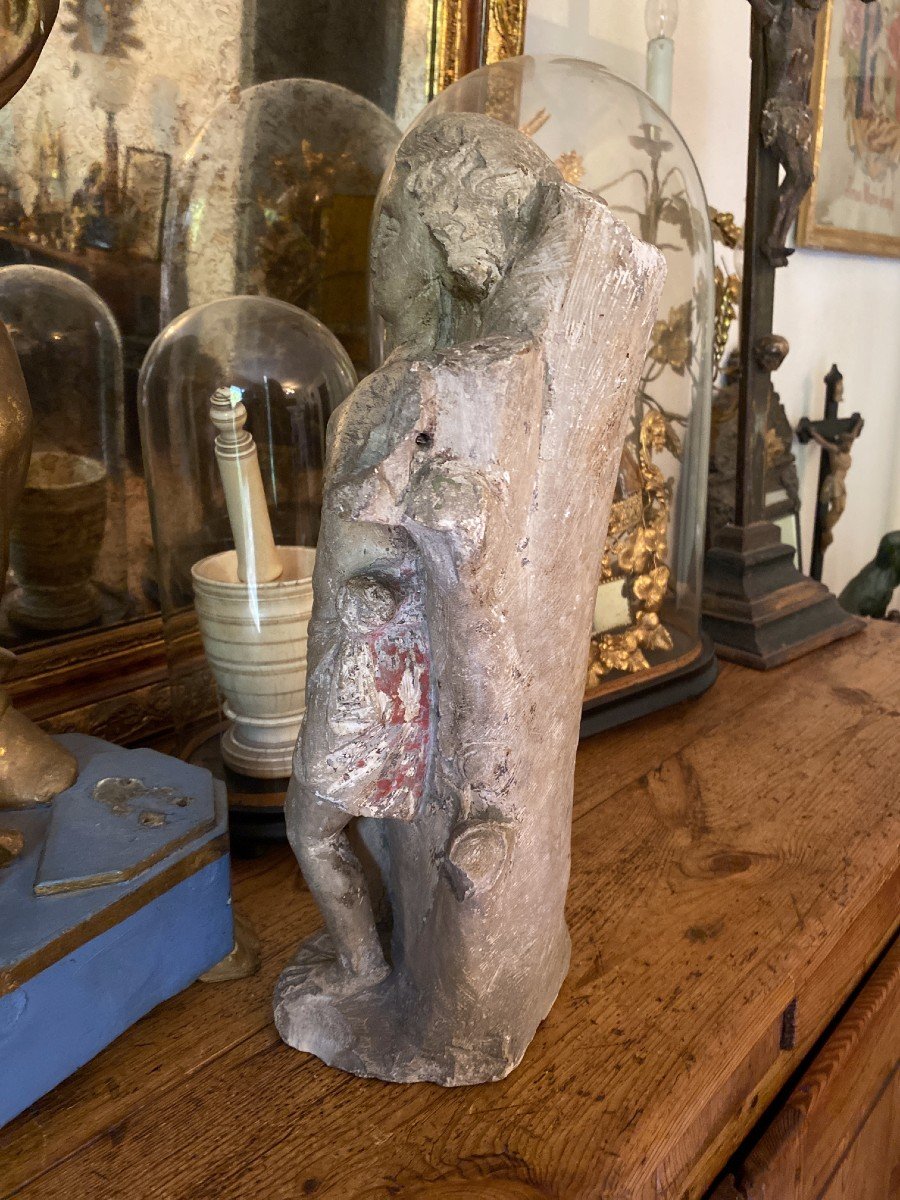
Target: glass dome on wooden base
column 67, row 544
column 234, row 398
column 609, row 137
column 274, row 198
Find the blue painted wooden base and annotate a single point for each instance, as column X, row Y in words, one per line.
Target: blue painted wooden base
column 96, row 960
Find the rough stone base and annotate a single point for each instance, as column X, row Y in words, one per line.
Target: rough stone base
column 373, row 1031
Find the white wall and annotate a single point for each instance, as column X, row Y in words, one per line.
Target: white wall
column 832, row 307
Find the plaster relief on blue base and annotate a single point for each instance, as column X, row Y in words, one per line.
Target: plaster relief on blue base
column 77, row 967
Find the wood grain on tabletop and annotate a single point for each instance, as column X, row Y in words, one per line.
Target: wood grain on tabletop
column 723, row 854
column 835, row 1138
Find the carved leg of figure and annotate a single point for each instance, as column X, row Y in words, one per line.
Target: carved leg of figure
column 338, row 982
column 318, row 833
column 798, row 179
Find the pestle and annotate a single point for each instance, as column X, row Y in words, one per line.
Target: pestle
column 257, row 558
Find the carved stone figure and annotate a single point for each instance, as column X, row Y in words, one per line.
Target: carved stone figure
column 468, row 484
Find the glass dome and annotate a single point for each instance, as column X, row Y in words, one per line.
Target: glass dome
column 68, row 543
column 609, row 137
column 275, row 197
column 234, row 398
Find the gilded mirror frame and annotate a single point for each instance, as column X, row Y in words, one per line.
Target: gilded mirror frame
column 113, row 683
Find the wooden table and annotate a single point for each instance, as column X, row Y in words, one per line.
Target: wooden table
column 736, row 871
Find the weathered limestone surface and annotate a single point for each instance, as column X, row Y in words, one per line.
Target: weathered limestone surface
column 468, row 489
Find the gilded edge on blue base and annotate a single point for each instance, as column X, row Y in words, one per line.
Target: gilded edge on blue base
column 63, row 1016
column 98, row 960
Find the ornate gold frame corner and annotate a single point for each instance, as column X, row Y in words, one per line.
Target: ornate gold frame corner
column 471, row 33
column 810, row 234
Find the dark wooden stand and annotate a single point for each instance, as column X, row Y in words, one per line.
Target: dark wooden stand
column 758, row 608
column 735, row 876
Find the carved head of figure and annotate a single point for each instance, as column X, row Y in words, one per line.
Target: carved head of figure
column 770, row 351
column 462, row 202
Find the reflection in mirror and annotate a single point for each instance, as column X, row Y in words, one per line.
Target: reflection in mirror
column 257, row 209
column 24, row 27
column 90, row 154
column 67, row 544
column 380, row 51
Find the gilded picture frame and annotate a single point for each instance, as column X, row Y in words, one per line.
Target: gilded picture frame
column 854, row 203
column 470, row 33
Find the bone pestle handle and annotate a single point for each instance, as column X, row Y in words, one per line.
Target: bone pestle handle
column 257, row 558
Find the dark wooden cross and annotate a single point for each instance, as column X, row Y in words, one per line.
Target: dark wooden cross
column 836, row 436
column 758, row 609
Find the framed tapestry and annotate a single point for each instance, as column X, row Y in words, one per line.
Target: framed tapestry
column 854, row 204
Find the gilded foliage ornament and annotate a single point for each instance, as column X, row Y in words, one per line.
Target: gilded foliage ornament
column 638, row 552
column 671, row 344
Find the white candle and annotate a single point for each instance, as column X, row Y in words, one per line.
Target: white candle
column 661, row 18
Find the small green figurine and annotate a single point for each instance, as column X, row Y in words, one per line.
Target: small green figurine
column 869, row 593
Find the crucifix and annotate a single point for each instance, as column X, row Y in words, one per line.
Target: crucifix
column 758, row 608
column 836, row 436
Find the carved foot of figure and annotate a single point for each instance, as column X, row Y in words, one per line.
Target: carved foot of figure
column 317, row 999
column 316, row 971
column 244, row 958
column 378, row 1027
column 33, row 767
column 778, row 255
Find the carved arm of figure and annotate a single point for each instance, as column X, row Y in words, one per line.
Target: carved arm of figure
column 765, row 10
column 843, row 443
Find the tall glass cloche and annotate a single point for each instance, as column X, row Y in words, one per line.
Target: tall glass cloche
column 608, row 136
column 274, row 198
column 68, row 542
column 234, row 398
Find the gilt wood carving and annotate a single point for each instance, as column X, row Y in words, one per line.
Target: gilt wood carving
column 468, row 482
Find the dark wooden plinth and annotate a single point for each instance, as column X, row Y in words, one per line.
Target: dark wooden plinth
column 759, row 610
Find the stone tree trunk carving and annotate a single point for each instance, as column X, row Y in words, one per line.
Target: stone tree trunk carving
column 468, row 489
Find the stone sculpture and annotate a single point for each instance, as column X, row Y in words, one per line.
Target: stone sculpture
column 468, row 484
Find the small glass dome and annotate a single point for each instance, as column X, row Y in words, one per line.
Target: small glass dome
column 68, row 542
column 609, row 137
column 275, row 197
column 234, row 398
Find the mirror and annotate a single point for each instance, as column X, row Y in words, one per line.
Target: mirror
column 91, row 154
column 105, row 141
